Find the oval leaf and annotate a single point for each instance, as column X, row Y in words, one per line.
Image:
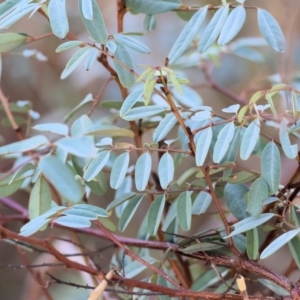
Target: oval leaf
column 132, row 43
column 233, row 25
column 165, row 170
column 184, row 210
column 270, row 30
column 142, row 171
column 119, row 170
column 10, row 41
column 289, row 150
column 270, row 166
column 202, row 145
column 155, row 213
column 164, row 127
column 201, row 203
column 58, row 18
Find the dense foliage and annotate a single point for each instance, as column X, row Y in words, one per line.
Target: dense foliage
column 212, row 216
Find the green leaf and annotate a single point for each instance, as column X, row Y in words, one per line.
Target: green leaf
column 208, row 279
column 130, row 101
column 165, row 170
column 62, row 178
column 233, row 25
column 125, row 73
column 96, row 165
column 155, row 214
column 151, row 7
column 25, row 145
column 73, row 221
column 80, row 125
column 202, row 145
column 273, row 287
column 132, row 43
column 164, row 127
column 201, row 246
column 270, row 166
column 234, row 196
column 143, row 112
column 88, row 98
column 150, row 22
column 7, row 188
column 40, row 198
column 184, row 210
column 119, row 170
column 250, row 223
column 82, row 146
column 213, row 28
column 171, row 215
column 10, row 40
column 98, row 186
column 135, row 267
column 108, row 130
column 142, row 171
column 81, row 213
column 74, row 62
column 257, row 193
column 87, row 9
column 68, row 45
column 120, row 200
column 57, row 128
column 33, row 228
column 249, row 139
column 252, row 239
column 242, row 177
column 279, row 242
column 270, row 30
column 294, row 245
column 294, row 127
column 187, row 35
column 289, row 150
column 58, row 18
column 95, row 27
column 201, row 203
column 129, row 211
column 225, row 137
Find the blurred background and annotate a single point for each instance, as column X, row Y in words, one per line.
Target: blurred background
column 26, row 78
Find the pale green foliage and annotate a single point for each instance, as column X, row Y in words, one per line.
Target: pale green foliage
column 161, row 155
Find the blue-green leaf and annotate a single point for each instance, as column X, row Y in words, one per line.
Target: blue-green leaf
column 187, row 35
column 87, row 9
column 213, row 29
column 279, row 242
column 95, row 27
column 202, row 145
column 166, row 170
column 233, row 25
column 120, row 200
column 271, row 166
column 81, row 213
column 294, row 245
column 119, row 170
column 257, row 193
column 164, row 127
column 250, row 223
column 142, row 171
column 290, row 150
column 249, row 139
column 74, row 62
column 57, row 128
column 40, row 223
column 73, row 221
column 96, row 165
column 225, row 137
column 125, row 74
column 252, row 239
column 129, row 212
column 234, row 195
column 151, row 7
column 68, row 45
column 132, row 43
column 82, row 146
column 150, row 22
column 270, row 30
column 91, row 57
column 155, row 213
column 201, row 203
column 143, row 112
column 58, row 18
column 184, row 210
column 273, row 287
column 130, row 101
column 26, row 145
column 62, row 177
column 100, row 212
